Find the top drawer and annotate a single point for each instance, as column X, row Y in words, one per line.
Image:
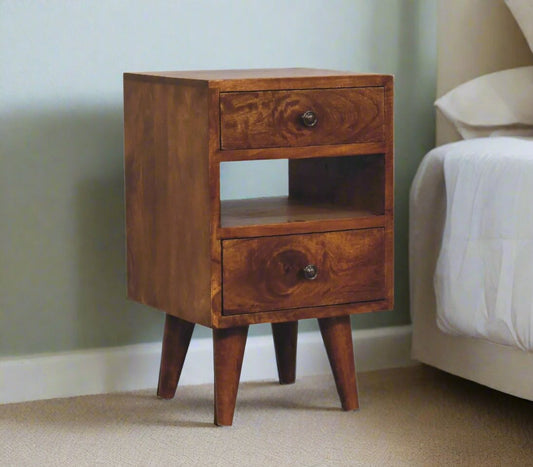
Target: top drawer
column 266, row 119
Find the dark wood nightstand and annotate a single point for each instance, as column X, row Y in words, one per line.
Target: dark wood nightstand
column 325, row 251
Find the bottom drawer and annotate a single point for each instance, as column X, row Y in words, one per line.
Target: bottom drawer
column 277, row 273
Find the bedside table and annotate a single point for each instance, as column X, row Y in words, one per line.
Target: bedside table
column 325, row 251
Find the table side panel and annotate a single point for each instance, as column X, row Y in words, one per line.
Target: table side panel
column 167, row 197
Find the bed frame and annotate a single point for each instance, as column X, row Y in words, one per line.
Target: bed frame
column 475, row 37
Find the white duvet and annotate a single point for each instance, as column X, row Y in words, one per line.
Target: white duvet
column 484, row 271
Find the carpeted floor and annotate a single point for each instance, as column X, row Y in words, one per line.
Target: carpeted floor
column 414, row 416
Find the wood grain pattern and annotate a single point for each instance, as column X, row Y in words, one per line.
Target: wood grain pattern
column 227, row 265
column 300, row 82
column 285, row 337
column 319, row 225
column 356, row 183
column 263, row 79
column 389, row 192
column 167, row 118
column 228, row 350
column 294, row 314
column 167, row 198
column 283, row 210
column 273, row 118
column 262, row 274
column 214, row 200
column 304, row 152
column 176, row 339
column 337, row 336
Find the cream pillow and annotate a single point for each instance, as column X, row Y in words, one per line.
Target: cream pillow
column 497, row 104
column 522, row 10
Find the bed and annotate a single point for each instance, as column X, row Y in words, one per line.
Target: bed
column 475, row 38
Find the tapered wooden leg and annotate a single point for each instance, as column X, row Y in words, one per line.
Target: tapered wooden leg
column 285, row 341
column 176, row 339
column 337, row 336
column 228, row 349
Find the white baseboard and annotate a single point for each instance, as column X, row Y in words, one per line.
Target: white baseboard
column 132, row 367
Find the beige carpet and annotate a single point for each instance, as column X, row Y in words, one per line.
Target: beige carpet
column 409, row 417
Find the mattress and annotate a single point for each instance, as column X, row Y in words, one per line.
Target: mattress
column 481, row 191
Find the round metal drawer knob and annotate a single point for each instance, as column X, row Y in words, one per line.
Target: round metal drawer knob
column 310, row 272
column 309, row 118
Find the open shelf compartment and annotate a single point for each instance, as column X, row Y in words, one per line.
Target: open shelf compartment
column 320, row 189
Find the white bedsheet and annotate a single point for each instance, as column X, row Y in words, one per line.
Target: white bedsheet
column 484, row 273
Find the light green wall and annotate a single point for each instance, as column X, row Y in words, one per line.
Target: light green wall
column 62, row 266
